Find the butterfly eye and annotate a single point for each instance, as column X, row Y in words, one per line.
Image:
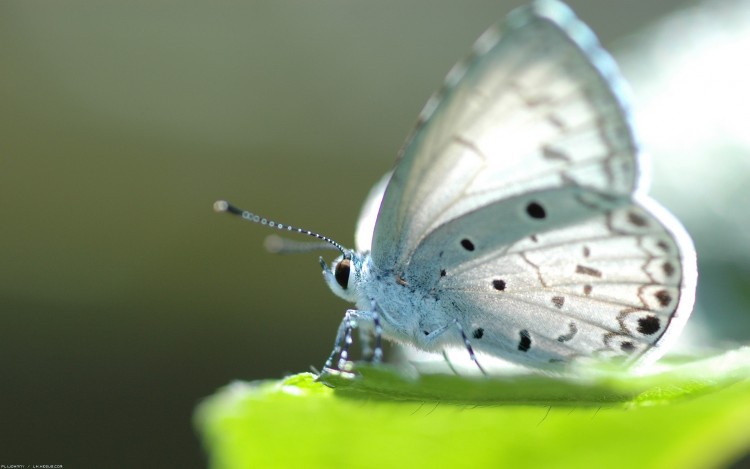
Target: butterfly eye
column 342, row 273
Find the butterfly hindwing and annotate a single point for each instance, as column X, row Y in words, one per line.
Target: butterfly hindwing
column 368, row 214
column 608, row 286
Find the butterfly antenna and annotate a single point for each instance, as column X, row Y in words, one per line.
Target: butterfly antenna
column 224, row 206
column 278, row 245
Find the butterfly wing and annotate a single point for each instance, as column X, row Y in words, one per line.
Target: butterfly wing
column 368, row 215
column 537, row 106
column 517, row 203
column 610, row 286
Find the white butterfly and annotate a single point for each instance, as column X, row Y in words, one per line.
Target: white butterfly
column 515, row 222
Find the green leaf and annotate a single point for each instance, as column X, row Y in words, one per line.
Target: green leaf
column 691, row 415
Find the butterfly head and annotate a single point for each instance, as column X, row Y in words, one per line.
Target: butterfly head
column 345, row 274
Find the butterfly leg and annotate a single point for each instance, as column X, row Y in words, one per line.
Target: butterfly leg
column 468, row 346
column 448, row 361
column 346, row 325
column 373, row 355
column 377, row 357
column 434, row 336
column 354, row 319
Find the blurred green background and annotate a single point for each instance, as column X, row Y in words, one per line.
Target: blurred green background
column 124, row 299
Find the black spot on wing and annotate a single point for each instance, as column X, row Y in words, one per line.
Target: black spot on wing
column 525, row 343
column 498, row 284
column 648, row 325
column 558, row 301
column 535, row 210
column 663, row 297
column 478, row 333
column 467, row 244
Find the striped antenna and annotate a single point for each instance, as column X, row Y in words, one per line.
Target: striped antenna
column 278, row 245
column 224, row 206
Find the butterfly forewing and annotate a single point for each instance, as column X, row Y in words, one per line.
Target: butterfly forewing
column 532, row 109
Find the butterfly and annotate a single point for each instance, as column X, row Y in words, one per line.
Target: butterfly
column 515, row 224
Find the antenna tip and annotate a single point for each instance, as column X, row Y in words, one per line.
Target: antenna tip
column 221, row 206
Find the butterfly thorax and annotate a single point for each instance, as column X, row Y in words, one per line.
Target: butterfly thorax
column 406, row 313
